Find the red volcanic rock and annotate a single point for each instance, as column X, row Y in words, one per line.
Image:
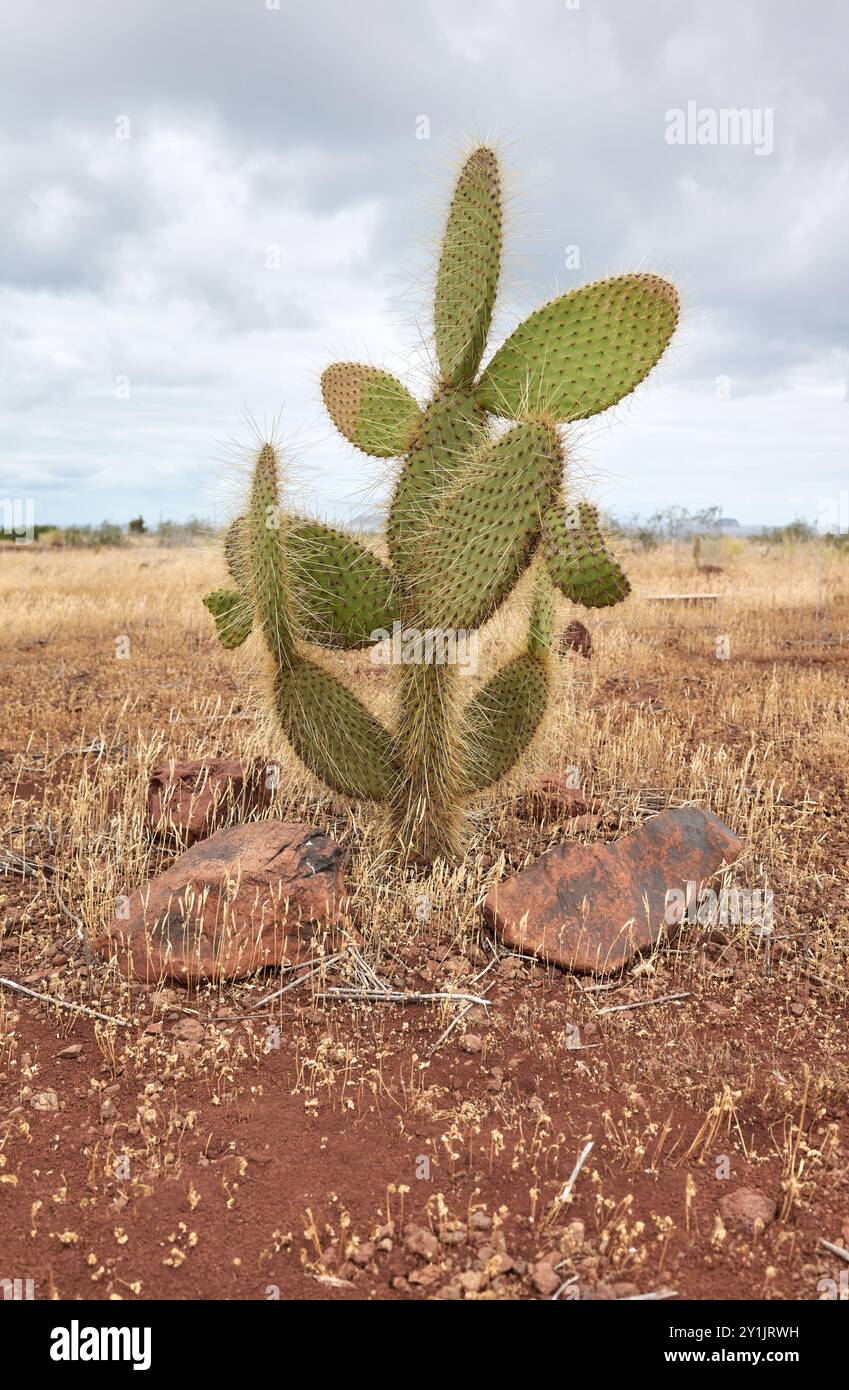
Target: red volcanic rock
column 187, row 801
column 249, row 896
column 592, row 907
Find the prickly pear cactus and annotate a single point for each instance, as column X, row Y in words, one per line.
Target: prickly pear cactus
column 470, row 514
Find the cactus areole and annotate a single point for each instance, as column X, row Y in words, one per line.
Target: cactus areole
column 471, row 512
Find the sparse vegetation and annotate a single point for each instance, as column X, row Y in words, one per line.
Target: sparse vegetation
column 190, row 1156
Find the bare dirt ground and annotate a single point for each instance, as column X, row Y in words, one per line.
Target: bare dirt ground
column 344, row 1151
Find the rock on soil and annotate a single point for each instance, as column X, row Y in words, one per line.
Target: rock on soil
column 556, row 798
column 45, row 1100
column 748, row 1208
column 593, row 907
column 187, row 801
column 576, row 638
column 249, row 896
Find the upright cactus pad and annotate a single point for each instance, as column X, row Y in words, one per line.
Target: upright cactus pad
column 471, row 512
column 333, row 733
column 451, row 429
column 473, row 550
column 501, row 720
column 469, row 266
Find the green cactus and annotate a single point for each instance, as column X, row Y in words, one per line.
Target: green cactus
column 471, row 513
column 577, row 559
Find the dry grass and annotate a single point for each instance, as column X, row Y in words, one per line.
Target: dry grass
column 656, row 718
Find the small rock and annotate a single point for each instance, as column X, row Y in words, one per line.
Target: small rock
column 576, row 638
column 747, row 1208
column 426, row 1276
column 44, row 1100
column 511, row 966
column 602, row 1293
column 421, row 1242
column 188, row 801
column 495, row 1081
column 71, row 1052
column 188, row 1030
column 479, row 1221
column 555, row 798
column 470, row 1042
column 545, row 1278
column 457, row 1237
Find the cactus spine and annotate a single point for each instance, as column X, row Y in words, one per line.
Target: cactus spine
column 470, row 514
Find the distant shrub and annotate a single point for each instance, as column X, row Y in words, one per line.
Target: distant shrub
column 90, row 537
column 797, row 530
column 184, row 532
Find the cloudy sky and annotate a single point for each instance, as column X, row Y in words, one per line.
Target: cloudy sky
column 207, row 201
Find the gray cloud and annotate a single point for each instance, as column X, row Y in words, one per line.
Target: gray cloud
column 272, row 196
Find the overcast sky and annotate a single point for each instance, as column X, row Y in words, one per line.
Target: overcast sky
column 207, row 201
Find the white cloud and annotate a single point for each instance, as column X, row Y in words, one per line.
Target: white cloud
column 287, row 138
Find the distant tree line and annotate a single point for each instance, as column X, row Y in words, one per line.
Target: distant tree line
column 108, row 533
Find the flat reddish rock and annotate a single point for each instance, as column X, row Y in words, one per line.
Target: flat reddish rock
column 187, row 801
column 593, row 907
column 555, row 797
column 249, row 896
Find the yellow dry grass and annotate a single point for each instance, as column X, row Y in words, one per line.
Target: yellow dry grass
column 110, row 666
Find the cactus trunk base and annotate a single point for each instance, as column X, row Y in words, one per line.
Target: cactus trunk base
column 427, row 806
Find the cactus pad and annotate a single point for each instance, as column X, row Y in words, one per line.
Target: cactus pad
column 501, row 720
column 232, row 614
column 371, row 408
column 451, row 428
column 578, row 561
column 341, row 590
column 583, row 352
column 333, row 733
column 541, row 624
column 469, row 264
column 475, row 548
